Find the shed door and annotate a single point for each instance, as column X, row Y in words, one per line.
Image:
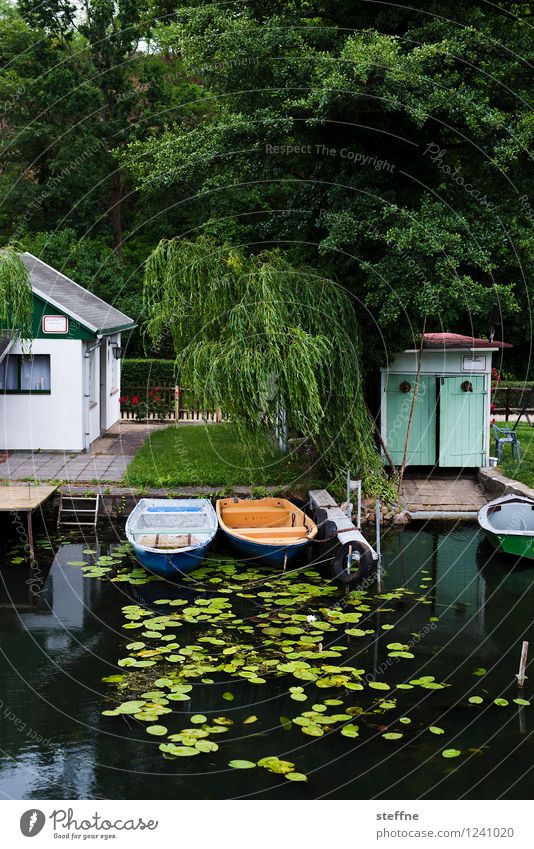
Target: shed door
column 461, row 421
column 422, row 447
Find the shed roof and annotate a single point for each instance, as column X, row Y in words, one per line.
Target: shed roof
column 457, row 340
column 69, row 297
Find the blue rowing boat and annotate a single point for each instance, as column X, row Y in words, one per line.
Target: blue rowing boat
column 171, row 536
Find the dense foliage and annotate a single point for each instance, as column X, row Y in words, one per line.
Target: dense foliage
column 385, row 148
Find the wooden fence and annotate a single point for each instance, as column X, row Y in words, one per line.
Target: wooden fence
column 511, row 399
column 164, row 404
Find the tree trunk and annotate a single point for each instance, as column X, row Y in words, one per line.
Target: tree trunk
column 414, row 396
column 116, row 212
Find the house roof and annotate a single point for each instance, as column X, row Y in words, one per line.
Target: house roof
column 67, row 296
column 457, row 340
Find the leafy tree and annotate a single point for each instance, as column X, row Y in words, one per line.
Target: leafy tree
column 266, row 342
column 390, row 157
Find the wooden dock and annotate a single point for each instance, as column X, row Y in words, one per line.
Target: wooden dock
column 442, row 497
column 338, row 526
column 24, row 498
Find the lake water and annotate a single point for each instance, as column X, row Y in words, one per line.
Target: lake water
column 469, row 608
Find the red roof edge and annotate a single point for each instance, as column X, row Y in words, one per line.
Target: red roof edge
column 458, row 340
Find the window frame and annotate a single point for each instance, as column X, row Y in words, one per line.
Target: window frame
column 19, row 391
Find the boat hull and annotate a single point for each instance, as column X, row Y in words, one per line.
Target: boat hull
column 270, row 555
column 508, row 524
column 171, row 566
column 516, row 546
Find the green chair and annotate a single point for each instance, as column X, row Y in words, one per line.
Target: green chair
column 509, row 437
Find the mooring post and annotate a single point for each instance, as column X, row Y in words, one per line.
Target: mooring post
column 378, row 516
column 359, row 522
column 30, row 533
column 522, row 665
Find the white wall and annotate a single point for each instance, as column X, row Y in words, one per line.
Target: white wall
column 113, row 380
column 437, row 362
column 55, row 421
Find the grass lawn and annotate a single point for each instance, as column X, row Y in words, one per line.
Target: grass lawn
column 213, row 455
column 523, row 471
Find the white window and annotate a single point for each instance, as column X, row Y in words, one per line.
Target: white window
column 20, row 373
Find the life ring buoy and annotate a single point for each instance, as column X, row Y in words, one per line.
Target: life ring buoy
column 359, row 569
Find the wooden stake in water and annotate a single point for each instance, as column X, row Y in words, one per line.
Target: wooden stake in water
column 378, row 517
column 522, row 665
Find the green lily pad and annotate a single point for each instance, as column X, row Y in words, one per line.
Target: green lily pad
column 296, row 776
column 237, row 764
column 451, row 753
column 392, row 735
column 475, row 700
column 156, row 730
column 435, row 729
column 501, row 702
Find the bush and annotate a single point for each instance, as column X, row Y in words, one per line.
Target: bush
column 147, row 373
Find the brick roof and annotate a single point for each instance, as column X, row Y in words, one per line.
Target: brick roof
column 458, row 340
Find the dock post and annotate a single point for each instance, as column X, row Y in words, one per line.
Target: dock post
column 378, row 517
column 359, row 522
column 522, row 665
column 30, row 533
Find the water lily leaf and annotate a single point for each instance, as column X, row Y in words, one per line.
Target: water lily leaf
column 183, row 751
column 285, row 722
column 250, row 719
column 451, row 753
column 312, row 730
column 198, row 719
column 392, row 735
column 350, row 730
column 156, row 730
column 178, row 697
column 206, row 746
column 237, row 764
column 113, row 712
column 296, row 776
column 379, row 685
column 228, row 696
column 299, row 697
column 130, row 707
column 480, row 672
column 387, row 627
column 501, row 702
column 332, row 702
column 475, row 700
column 405, row 720
column 435, row 729
column 522, row 702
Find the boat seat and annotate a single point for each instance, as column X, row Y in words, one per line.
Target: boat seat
column 168, row 541
column 297, row 532
column 180, row 531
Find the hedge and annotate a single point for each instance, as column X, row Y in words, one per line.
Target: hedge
column 147, row 373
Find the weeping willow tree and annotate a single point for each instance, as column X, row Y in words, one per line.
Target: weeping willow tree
column 262, row 340
column 16, row 299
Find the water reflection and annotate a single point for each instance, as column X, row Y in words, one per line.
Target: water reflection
column 56, row 645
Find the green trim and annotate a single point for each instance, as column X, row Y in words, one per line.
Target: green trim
column 519, row 545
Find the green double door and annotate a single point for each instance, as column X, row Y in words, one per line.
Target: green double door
column 448, row 425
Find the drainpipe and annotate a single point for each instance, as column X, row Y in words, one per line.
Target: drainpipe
column 86, row 394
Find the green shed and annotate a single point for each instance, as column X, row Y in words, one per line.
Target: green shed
column 450, row 424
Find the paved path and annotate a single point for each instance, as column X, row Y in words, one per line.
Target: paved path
column 107, row 460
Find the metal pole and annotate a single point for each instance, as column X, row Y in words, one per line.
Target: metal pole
column 349, row 508
column 359, row 523
column 378, row 549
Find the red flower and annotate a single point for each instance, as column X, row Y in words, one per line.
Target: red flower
column 495, row 375
column 135, row 400
column 493, row 407
column 124, row 399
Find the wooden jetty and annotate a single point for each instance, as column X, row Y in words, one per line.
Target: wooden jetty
column 24, row 498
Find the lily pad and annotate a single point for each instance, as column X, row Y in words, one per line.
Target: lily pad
column 296, row 776
column 156, row 730
column 237, row 764
column 451, row 753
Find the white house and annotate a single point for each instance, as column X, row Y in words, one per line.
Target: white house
column 62, row 392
